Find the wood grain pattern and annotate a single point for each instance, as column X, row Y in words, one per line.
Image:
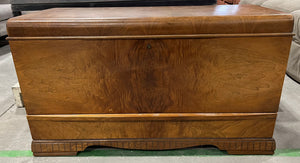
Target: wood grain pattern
column 152, row 78
column 212, row 75
column 135, row 37
column 155, row 116
column 151, row 126
column 233, row 146
column 110, row 21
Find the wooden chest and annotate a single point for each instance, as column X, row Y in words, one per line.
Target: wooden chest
column 151, row 78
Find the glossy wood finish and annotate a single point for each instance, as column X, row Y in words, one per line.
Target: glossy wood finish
column 152, row 126
column 172, row 20
column 174, row 75
column 157, row 116
column 168, row 75
column 233, row 146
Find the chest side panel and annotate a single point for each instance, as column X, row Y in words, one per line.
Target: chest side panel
column 213, row 75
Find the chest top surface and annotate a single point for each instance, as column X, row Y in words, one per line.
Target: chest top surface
column 120, row 21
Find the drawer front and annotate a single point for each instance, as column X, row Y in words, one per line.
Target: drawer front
column 148, row 125
column 207, row 75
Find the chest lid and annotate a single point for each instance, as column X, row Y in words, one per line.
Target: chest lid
column 141, row 21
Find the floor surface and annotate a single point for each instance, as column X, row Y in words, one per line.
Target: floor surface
column 8, row 77
column 15, row 136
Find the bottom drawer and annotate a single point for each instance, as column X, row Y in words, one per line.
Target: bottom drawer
column 238, row 133
column 166, row 125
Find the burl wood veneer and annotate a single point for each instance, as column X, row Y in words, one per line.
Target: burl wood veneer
column 151, row 78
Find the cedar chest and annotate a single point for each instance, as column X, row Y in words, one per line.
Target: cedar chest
column 151, row 78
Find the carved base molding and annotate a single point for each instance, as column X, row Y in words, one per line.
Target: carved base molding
column 232, row 146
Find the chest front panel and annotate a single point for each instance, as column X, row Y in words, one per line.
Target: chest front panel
column 206, row 75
